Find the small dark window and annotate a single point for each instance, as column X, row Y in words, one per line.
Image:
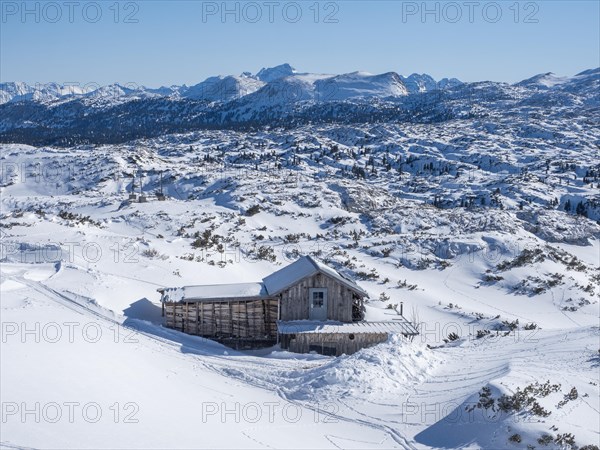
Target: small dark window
column 323, row 349
column 318, row 299
column 351, row 336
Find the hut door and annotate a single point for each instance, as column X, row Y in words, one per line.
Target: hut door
column 318, row 304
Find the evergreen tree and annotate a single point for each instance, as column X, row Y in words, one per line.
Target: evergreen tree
column 581, row 210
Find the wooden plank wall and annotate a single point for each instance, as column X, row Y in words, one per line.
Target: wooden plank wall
column 254, row 319
column 341, row 342
column 295, row 302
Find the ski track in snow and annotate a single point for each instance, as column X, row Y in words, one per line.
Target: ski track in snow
column 463, row 294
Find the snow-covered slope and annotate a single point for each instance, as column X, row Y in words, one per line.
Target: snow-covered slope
column 222, row 89
column 543, row 81
column 362, row 85
column 480, row 216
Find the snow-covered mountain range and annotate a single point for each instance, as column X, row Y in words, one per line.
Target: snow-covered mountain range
column 224, row 88
column 279, row 96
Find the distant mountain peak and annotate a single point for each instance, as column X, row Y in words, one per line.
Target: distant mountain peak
column 270, row 74
column 543, row 80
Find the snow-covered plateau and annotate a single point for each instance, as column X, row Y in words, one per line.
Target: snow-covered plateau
column 475, row 205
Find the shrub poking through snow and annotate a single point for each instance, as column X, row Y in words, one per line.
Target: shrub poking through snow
column 372, row 275
column 482, row 333
column 527, row 256
column 255, row 209
column 384, row 297
column 511, row 326
column 292, row 238
column 152, row 253
column 565, row 440
column 262, row 252
column 486, row 401
column 403, row 284
column 78, row 219
column 386, row 251
column 452, row 337
column 492, row 278
column 572, row 395
column 523, row 400
column 205, row 240
column 515, row 438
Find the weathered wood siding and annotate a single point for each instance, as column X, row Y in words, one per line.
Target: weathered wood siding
column 253, row 319
column 295, row 302
column 334, row 344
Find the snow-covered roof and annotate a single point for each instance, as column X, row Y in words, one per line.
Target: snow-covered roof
column 302, row 268
column 399, row 325
column 214, row 292
column 270, row 286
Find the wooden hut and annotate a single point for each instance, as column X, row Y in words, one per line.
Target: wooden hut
column 306, row 306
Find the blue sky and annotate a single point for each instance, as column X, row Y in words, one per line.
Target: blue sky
column 158, row 43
